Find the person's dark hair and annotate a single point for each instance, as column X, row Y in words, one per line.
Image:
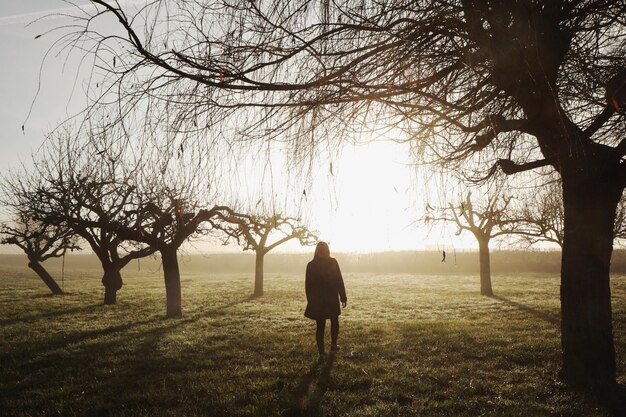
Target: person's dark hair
column 322, row 251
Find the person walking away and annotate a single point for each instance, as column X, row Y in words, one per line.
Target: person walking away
column 324, row 289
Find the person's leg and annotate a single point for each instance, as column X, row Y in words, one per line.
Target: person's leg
column 334, row 331
column 319, row 335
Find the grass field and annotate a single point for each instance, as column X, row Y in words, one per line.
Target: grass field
column 412, row 345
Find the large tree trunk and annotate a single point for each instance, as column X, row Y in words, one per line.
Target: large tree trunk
column 586, row 327
column 258, row 273
column 485, row 268
column 171, row 274
column 112, row 281
column 45, row 277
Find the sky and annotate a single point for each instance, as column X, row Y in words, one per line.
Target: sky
column 370, row 202
column 20, row 81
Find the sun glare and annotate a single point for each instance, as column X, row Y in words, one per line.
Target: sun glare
column 367, row 205
column 366, row 198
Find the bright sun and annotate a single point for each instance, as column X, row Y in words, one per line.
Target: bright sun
column 369, row 204
column 371, row 199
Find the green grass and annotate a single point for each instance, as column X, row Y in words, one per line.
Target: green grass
column 411, row 346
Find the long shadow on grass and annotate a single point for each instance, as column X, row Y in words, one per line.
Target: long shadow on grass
column 60, row 341
column 47, row 314
column 27, row 351
column 307, row 401
column 46, row 357
column 148, row 365
column 526, row 309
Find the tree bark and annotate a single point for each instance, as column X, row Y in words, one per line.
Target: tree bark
column 45, row 277
column 586, row 322
column 258, row 273
column 485, row 268
column 112, row 281
column 171, row 273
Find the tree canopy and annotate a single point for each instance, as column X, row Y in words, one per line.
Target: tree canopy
column 464, row 80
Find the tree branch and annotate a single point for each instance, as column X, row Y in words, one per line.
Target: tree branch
column 496, row 124
column 509, row 167
column 599, row 121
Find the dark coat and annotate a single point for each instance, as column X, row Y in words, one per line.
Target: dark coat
column 324, row 287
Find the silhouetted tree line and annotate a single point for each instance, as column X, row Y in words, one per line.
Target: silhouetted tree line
column 123, row 210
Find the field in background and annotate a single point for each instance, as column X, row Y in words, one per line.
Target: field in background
column 412, row 345
column 409, row 262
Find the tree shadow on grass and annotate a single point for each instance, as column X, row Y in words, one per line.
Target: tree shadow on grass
column 616, row 405
column 47, row 314
column 38, row 354
column 150, row 366
column 64, row 339
column 308, row 399
column 194, row 315
column 38, row 295
column 73, row 353
column 613, row 402
column 550, row 318
column 63, row 294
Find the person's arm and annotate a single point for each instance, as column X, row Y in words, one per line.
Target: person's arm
column 340, row 286
column 308, row 283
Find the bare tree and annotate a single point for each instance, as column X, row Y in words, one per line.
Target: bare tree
column 481, row 85
column 262, row 233
column 485, row 222
column 541, row 217
column 164, row 221
column 40, row 242
column 80, row 190
column 126, row 201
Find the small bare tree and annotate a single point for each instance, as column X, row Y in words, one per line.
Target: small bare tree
column 541, row 217
column 263, row 233
column 39, row 241
column 171, row 202
column 485, row 222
